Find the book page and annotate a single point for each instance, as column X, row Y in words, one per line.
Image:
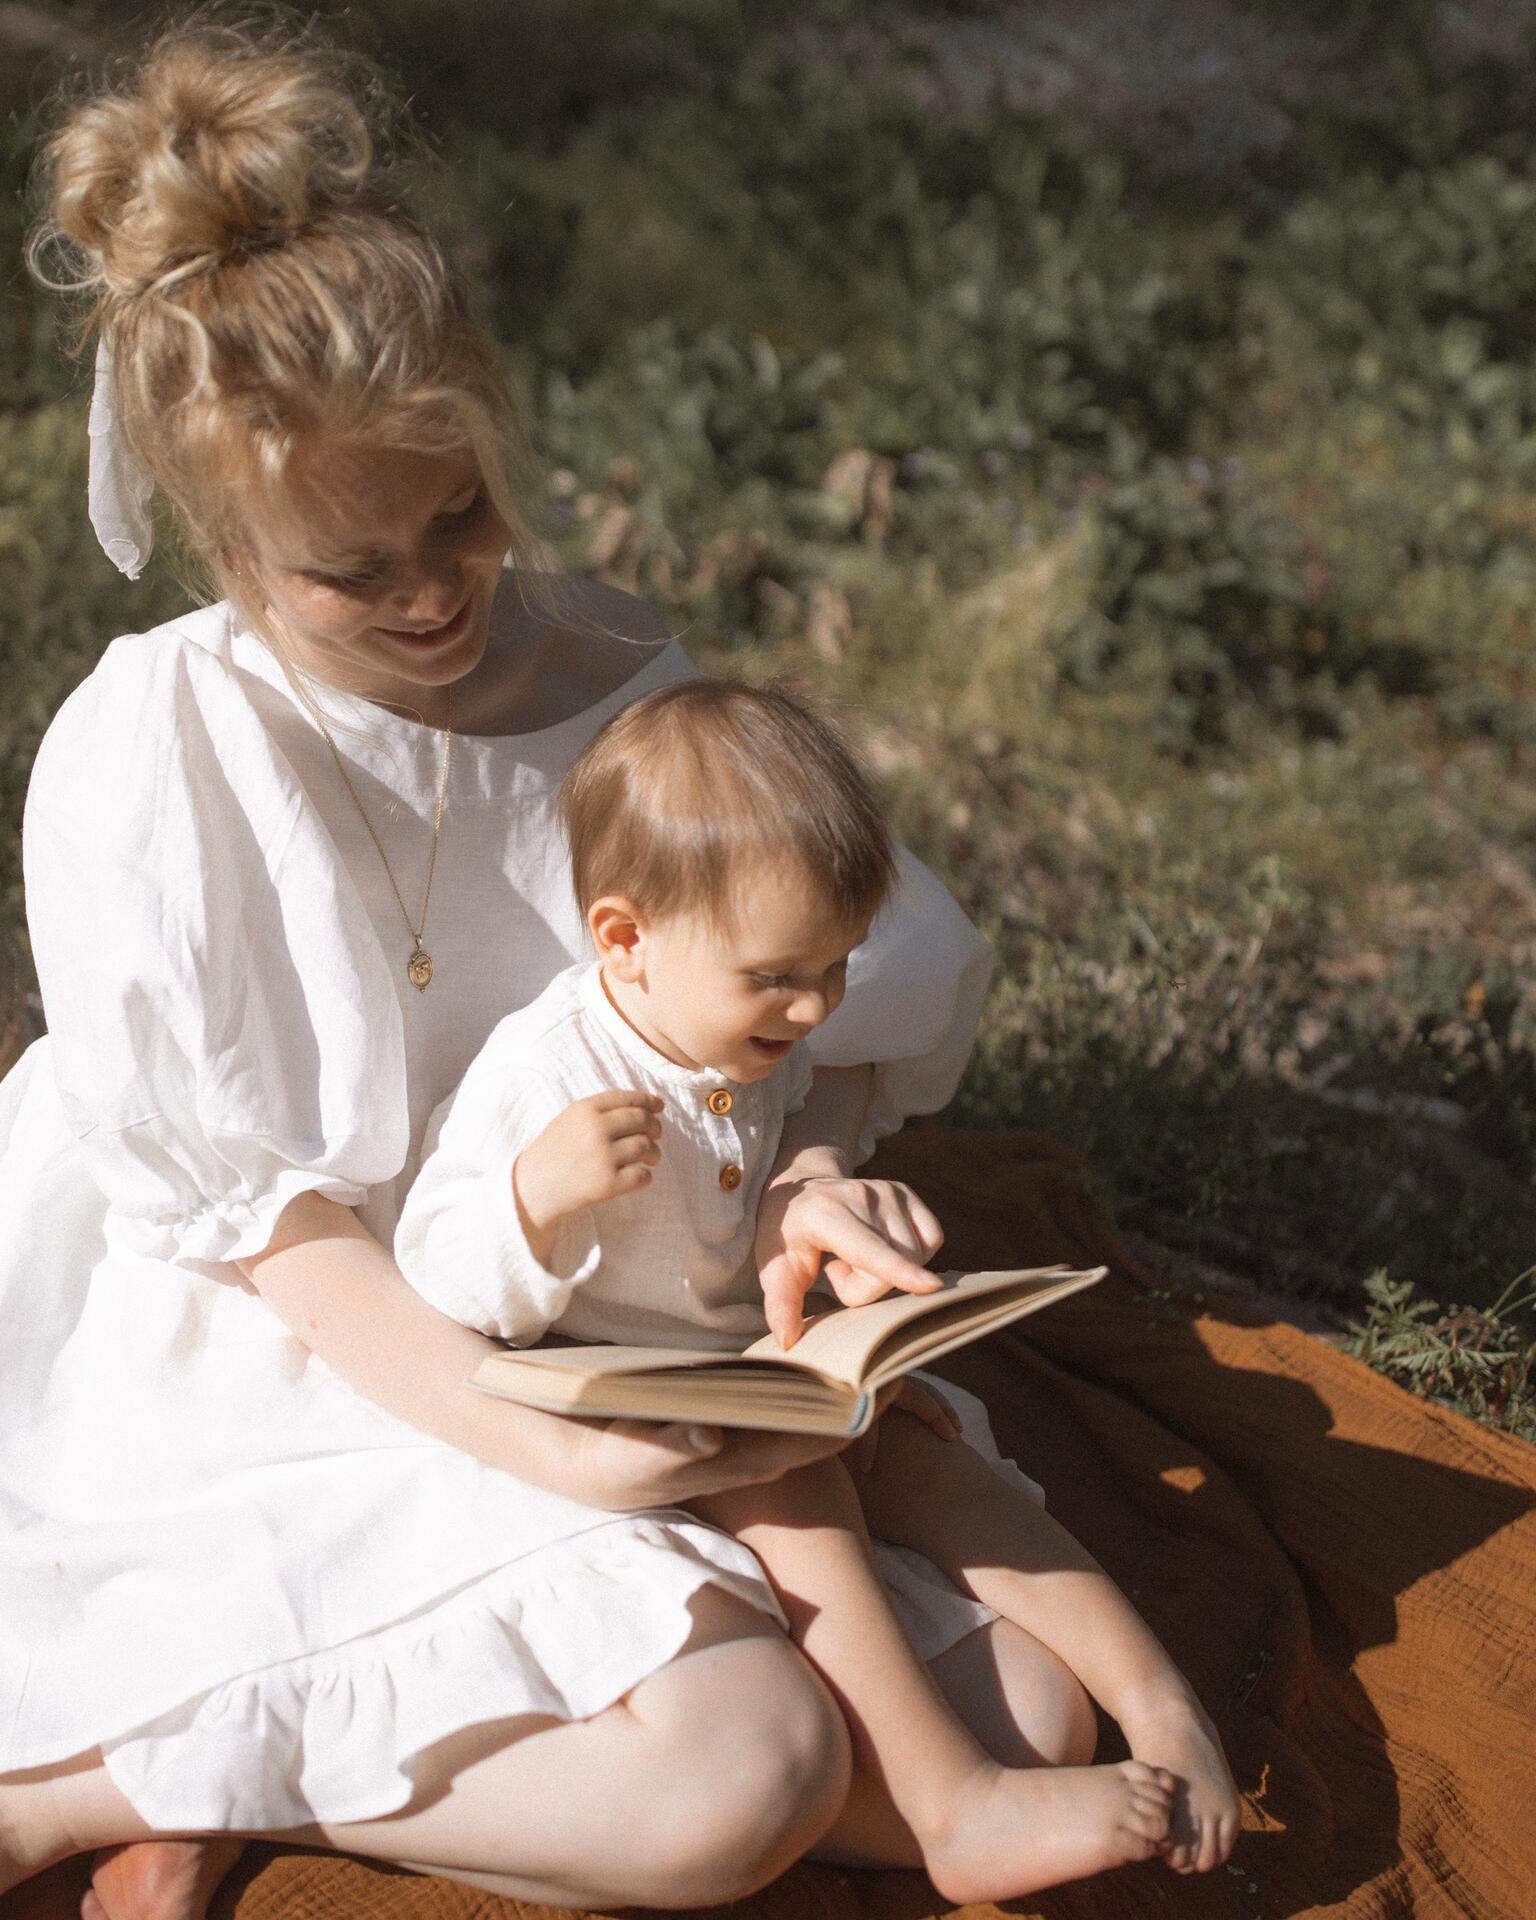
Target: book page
column 845, row 1344
column 777, row 1399
column 613, row 1360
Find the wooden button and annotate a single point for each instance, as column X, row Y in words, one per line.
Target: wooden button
column 719, row 1101
column 730, row 1176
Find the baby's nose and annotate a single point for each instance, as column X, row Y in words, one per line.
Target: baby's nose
column 809, row 1008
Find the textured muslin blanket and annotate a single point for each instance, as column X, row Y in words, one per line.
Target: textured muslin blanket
column 1347, row 1575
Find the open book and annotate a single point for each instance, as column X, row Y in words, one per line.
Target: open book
column 825, row 1383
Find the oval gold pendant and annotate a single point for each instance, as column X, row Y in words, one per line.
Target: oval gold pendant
column 419, row 970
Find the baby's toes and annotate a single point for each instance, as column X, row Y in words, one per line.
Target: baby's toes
column 1151, row 1779
column 1220, row 1838
column 1183, row 1856
column 1151, row 1812
column 1148, row 1816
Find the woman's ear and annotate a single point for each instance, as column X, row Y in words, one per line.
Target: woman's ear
column 618, row 932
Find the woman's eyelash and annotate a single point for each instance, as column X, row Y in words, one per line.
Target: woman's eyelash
column 365, row 577
column 370, row 576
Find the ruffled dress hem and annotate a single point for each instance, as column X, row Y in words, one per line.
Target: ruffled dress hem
column 337, row 1736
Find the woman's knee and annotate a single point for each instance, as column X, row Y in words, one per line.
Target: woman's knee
column 766, row 1776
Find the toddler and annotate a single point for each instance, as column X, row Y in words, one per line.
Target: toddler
column 598, row 1172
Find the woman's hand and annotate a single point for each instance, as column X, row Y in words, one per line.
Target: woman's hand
column 910, row 1396
column 629, row 1465
column 873, row 1234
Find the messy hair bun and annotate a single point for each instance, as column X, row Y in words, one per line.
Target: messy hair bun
column 223, row 146
column 234, row 227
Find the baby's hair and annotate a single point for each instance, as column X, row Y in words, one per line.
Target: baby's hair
column 680, row 791
column 234, row 228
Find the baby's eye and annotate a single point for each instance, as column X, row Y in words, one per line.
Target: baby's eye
column 766, row 980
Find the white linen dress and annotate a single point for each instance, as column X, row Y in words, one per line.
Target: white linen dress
column 257, row 1592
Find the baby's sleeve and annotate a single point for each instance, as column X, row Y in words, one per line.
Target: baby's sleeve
column 460, row 1240
column 915, row 993
column 221, row 1027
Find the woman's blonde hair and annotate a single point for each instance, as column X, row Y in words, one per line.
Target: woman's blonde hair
column 233, row 224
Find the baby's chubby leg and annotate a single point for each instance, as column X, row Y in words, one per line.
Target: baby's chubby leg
column 983, row 1830
column 942, row 1499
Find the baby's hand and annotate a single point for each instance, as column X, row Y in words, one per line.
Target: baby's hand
column 597, row 1149
column 873, row 1235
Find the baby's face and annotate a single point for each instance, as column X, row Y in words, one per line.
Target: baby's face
column 736, row 1001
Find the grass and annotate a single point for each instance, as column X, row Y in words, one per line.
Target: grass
column 1172, row 565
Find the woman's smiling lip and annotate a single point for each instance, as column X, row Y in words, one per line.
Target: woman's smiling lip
column 432, row 636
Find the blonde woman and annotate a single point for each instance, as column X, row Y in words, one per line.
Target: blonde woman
column 266, row 1566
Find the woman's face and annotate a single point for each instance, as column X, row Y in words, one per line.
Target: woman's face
column 380, row 582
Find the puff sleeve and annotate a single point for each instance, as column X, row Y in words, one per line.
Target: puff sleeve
column 222, row 1029
column 915, row 992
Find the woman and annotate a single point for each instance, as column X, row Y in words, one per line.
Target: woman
column 267, row 1566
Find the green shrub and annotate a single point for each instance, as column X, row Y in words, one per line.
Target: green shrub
column 1477, row 1361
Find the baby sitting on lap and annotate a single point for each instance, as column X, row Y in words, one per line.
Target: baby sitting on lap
column 599, row 1170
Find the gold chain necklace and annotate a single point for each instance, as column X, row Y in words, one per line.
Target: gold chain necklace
column 418, row 969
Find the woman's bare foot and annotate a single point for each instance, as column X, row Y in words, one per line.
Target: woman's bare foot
column 32, row 1835
column 1176, row 1732
column 1020, row 1830
column 158, row 1879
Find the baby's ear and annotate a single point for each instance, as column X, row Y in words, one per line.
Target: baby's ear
column 618, row 933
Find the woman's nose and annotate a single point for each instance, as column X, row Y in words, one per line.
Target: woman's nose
column 430, row 592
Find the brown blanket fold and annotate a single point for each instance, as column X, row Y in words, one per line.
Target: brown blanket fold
column 1347, row 1575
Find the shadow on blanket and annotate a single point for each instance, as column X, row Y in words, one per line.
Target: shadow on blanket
column 1347, row 1575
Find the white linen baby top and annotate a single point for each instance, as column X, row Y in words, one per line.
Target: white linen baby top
column 671, row 1265
column 256, row 1591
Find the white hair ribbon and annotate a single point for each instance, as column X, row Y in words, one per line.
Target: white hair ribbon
column 117, row 488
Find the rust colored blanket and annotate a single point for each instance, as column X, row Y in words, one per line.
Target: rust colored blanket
column 1348, row 1575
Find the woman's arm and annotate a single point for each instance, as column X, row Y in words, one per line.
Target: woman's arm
column 821, row 1139
column 339, row 1291
column 873, row 1234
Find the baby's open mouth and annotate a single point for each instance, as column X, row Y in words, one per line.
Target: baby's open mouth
column 774, row 1049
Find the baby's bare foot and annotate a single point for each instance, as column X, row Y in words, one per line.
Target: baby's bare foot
column 158, row 1879
column 1018, row 1831
column 1178, row 1734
